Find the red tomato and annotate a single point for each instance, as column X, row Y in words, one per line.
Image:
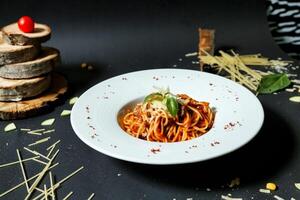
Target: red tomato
column 26, row 24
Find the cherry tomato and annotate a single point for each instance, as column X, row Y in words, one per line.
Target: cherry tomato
column 26, row 24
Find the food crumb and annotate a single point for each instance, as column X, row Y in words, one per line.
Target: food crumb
column 234, row 182
column 83, row 65
column 90, row 67
column 278, row 197
column 208, row 189
column 271, row 186
column 119, row 174
column 154, row 151
column 6, row 143
column 189, row 198
column 264, row 191
column 230, row 198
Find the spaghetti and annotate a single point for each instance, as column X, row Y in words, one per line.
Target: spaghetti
column 152, row 120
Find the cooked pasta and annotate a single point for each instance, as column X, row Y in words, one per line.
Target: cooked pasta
column 155, row 119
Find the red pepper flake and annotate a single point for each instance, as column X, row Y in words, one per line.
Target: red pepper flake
column 231, row 125
column 173, row 77
column 155, row 78
column 154, row 151
column 124, row 78
column 88, row 117
column 92, row 127
column 108, row 85
column 214, row 143
column 87, row 109
column 186, row 152
column 105, row 97
column 193, row 146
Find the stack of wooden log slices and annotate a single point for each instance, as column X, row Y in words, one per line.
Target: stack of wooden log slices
column 27, row 81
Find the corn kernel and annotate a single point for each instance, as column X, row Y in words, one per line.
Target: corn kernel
column 271, row 186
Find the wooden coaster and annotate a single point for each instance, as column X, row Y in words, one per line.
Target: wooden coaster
column 10, row 54
column 13, row 35
column 30, row 107
column 44, row 63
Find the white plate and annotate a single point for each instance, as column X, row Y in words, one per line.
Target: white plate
column 238, row 119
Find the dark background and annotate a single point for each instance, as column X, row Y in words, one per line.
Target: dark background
column 123, row 36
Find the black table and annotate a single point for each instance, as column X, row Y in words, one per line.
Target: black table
column 118, row 37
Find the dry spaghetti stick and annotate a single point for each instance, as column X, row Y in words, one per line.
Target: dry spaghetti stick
column 17, row 162
column 39, row 178
column 45, row 192
column 36, row 153
column 60, row 182
column 23, row 170
column 34, row 133
column 54, row 144
column 48, row 131
column 37, row 130
column 91, row 196
column 39, row 141
column 68, row 195
column 20, row 184
column 51, row 185
column 25, row 129
column 39, row 161
column 52, row 148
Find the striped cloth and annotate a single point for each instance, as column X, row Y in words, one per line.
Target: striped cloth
column 284, row 24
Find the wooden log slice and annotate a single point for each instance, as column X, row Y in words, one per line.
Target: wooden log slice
column 16, row 90
column 14, row 36
column 30, row 107
column 43, row 64
column 14, row 54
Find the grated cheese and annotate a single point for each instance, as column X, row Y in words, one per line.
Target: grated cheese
column 48, row 122
column 65, row 113
column 295, row 99
column 10, row 127
column 73, row 100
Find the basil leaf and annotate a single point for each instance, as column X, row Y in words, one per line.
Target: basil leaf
column 272, row 83
column 153, row 96
column 172, row 106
